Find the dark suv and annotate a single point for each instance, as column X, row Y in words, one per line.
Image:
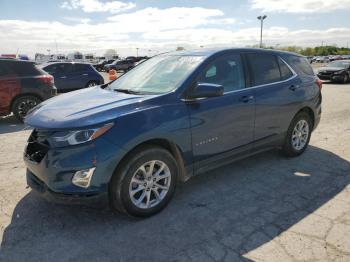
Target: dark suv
column 171, row 117
column 22, row 86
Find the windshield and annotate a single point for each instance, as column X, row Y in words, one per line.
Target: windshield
column 340, row 64
column 158, row 75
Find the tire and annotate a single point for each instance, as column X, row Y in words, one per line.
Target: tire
column 302, row 122
column 23, row 104
column 345, row 78
column 131, row 177
column 91, row 84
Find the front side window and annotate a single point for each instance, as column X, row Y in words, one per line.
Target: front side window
column 226, row 71
column 264, row 68
column 158, row 75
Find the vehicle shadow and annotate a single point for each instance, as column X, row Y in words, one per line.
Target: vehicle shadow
column 9, row 124
column 226, row 212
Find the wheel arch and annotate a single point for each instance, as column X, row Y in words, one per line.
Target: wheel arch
column 168, row 145
column 309, row 111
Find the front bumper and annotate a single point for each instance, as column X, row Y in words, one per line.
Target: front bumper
column 330, row 77
column 51, row 174
column 39, row 187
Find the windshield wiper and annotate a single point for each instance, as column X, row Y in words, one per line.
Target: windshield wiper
column 128, row 91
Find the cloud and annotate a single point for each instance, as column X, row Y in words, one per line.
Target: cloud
column 154, row 19
column 77, row 19
column 153, row 28
column 300, row 6
column 90, row 6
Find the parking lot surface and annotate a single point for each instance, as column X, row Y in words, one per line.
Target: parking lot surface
column 265, row 208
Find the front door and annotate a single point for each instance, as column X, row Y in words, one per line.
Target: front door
column 222, row 125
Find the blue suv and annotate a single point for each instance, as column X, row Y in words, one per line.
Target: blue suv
column 172, row 117
column 73, row 76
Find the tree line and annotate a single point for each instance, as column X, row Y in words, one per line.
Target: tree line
column 315, row 51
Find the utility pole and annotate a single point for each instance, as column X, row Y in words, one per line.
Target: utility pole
column 261, row 18
column 137, row 52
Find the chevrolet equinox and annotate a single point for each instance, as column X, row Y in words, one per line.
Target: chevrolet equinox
column 127, row 143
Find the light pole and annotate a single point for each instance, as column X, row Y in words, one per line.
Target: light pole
column 137, row 52
column 261, row 18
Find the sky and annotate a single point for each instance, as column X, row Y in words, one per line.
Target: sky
column 152, row 26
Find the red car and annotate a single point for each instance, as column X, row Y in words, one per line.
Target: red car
column 23, row 86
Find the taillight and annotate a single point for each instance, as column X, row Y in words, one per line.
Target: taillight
column 319, row 83
column 46, row 79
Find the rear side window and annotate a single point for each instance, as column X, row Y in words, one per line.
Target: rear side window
column 80, row 67
column 24, row 69
column 59, row 68
column 286, row 73
column 300, row 64
column 264, row 68
column 6, row 69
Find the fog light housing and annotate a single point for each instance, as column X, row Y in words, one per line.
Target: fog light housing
column 82, row 178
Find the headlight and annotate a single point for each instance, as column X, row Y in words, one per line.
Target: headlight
column 65, row 138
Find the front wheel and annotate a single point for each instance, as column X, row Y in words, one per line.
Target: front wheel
column 345, row 78
column 23, row 104
column 145, row 183
column 298, row 135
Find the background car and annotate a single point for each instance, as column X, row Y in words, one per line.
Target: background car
column 72, row 76
column 22, row 86
column 337, row 71
column 120, row 65
column 100, row 65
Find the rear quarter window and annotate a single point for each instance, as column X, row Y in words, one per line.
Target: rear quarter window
column 300, row 64
column 24, row 69
column 286, row 73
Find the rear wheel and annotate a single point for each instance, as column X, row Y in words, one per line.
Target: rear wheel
column 298, row 135
column 91, row 84
column 23, row 104
column 145, row 183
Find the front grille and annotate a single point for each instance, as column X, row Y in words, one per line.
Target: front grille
column 37, row 145
column 325, row 73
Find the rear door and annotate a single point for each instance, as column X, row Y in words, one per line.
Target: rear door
column 80, row 75
column 277, row 94
column 60, row 72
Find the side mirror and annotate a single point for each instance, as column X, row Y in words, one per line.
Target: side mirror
column 204, row 90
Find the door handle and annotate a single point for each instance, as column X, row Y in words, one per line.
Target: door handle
column 63, row 77
column 84, row 74
column 246, row 99
column 294, row 87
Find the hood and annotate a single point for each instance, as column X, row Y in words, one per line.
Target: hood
column 83, row 108
column 330, row 69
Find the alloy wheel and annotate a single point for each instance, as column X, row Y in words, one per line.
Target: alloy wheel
column 25, row 106
column 150, row 184
column 300, row 135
